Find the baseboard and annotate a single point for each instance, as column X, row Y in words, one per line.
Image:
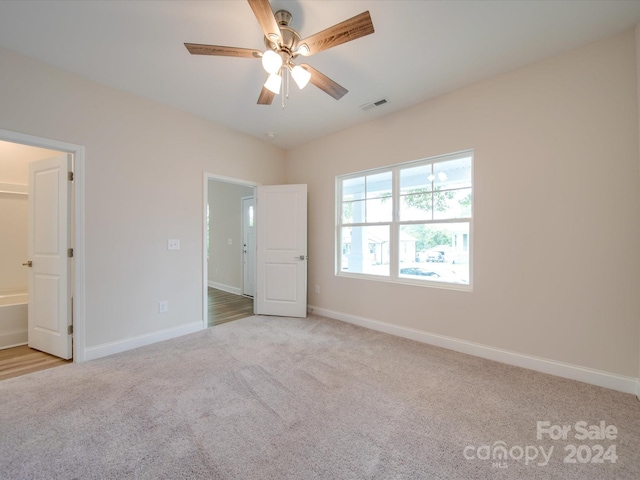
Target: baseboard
column 574, row 372
column 225, row 288
column 106, row 349
column 13, row 339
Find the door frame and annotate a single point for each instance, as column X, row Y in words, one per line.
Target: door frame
column 205, row 200
column 78, row 235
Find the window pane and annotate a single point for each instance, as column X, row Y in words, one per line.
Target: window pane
column 441, row 252
column 416, row 207
column 353, row 189
column 415, row 179
column 379, row 209
column 365, row 250
column 452, row 174
column 452, row 204
column 353, row 212
column 379, row 185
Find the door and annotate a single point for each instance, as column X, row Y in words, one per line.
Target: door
column 248, row 246
column 48, row 238
column 281, row 263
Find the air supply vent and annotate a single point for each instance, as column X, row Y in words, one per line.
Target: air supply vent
column 369, row 106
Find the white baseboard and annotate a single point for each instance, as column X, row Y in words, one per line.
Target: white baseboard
column 13, row 339
column 225, row 288
column 574, row 372
column 106, row 349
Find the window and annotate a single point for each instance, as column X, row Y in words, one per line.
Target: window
column 409, row 223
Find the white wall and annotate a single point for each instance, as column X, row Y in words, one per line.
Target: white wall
column 143, row 181
column 225, row 217
column 557, row 209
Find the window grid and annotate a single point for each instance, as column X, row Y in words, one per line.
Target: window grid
column 394, row 255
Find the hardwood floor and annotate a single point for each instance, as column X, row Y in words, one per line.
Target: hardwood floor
column 21, row 360
column 223, row 307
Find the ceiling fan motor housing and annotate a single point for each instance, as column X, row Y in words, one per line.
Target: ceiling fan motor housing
column 289, row 37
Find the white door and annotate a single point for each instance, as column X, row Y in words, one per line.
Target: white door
column 49, row 290
column 281, row 263
column 248, row 246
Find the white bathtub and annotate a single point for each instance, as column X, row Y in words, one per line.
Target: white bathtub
column 13, row 319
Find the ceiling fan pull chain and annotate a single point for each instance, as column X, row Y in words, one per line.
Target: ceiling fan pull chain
column 288, row 78
column 282, row 87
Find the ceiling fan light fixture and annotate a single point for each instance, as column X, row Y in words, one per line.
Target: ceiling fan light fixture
column 273, row 83
column 303, row 50
column 271, row 61
column 301, row 76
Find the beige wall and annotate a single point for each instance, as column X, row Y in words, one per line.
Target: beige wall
column 557, row 209
column 144, row 172
column 225, row 262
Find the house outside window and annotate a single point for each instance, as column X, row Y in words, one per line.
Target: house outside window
column 408, row 223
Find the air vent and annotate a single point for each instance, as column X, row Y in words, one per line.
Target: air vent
column 369, row 106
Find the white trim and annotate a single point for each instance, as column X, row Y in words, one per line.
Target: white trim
column 205, row 200
column 14, row 339
column 120, row 346
column 226, row 288
column 78, row 228
column 574, row 372
column 14, row 189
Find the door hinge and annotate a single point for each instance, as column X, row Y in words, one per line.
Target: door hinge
column 70, row 176
column 70, row 252
column 70, row 330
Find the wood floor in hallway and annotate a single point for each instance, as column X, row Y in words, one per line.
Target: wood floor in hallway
column 225, row 307
column 21, row 360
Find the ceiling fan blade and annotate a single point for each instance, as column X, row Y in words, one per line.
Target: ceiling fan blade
column 197, row 49
column 325, row 84
column 343, row 32
column 266, row 96
column 264, row 14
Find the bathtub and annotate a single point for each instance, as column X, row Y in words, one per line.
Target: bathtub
column 13, row 319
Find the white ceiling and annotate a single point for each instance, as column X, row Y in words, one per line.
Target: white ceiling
column 420, row 49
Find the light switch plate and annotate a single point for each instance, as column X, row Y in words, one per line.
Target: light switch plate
column 173, row 244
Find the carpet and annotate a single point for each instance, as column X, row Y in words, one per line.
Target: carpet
column 287, row 398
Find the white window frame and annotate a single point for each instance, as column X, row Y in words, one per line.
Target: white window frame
column 395, row 224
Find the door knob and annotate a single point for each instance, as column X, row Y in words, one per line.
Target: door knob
column 28, row 264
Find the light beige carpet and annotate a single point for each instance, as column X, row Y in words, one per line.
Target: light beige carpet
column 284, row 398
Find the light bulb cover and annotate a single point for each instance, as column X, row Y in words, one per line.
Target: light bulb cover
column 301, row 76
column 271, row 61
column 273, row 83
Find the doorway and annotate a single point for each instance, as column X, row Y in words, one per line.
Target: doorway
column 228, row 266
column 75, row 197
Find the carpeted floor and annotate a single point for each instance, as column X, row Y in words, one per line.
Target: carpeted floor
column 286, row 398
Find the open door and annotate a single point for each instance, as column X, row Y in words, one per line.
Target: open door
column 49, row 279
column 281, row 261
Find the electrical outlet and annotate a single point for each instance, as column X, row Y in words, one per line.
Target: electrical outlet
column 173, row 244
column 163, row 307
column 317, row 289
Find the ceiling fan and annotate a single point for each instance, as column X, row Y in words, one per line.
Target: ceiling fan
column 284, row 45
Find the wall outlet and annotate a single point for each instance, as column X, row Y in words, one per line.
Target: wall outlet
column 230, row 241
column 173, row 244
column 317, row 289
column 163, row 307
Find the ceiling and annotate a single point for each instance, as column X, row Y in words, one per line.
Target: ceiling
column 420, row 49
